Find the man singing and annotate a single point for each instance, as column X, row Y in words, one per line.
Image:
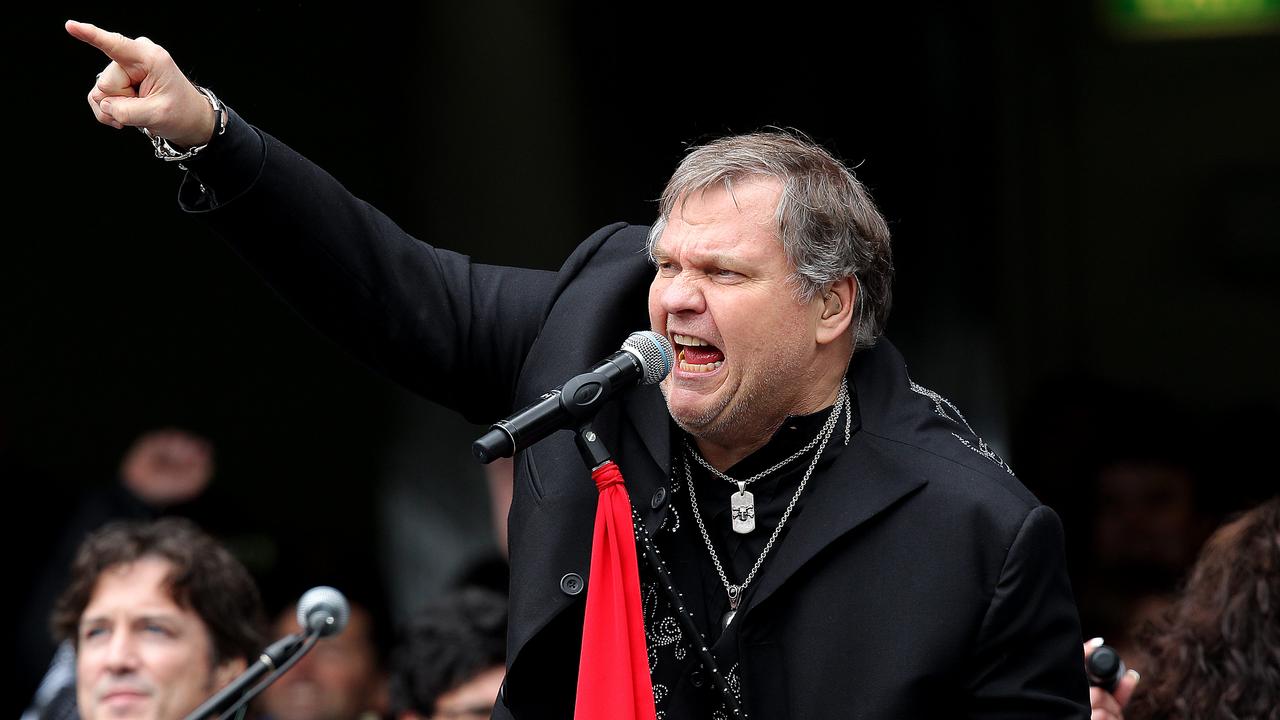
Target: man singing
column 820, row 536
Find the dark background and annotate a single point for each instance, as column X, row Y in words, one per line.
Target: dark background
column 1084, row 220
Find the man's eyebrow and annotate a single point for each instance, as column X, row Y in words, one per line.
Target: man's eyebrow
column 144, row 617
column 720, row 259
column 166, row 616
column 716, row 258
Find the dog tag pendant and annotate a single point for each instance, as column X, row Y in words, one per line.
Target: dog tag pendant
column 742, row 505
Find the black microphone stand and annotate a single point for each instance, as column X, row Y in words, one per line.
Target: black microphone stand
column 593, row 452
column 276, row 660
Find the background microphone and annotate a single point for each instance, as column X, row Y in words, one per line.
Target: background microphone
column 323, row 610
column 1104, row 668
column 645, row 358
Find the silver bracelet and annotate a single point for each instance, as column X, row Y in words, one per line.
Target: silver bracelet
column 167, row 152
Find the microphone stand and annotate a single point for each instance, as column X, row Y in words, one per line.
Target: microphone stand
column 292, row 648
column 593, row 452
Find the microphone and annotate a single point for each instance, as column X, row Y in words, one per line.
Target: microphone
column 645, row 358
column 1104, row 668
column 324, row 611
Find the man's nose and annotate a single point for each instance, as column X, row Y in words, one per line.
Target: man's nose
column 122, row 652
column 683, row 295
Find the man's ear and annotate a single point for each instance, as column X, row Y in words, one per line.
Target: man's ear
column 836, row 314
column 227, row 671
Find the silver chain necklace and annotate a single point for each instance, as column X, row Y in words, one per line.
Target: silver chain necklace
column 742, row 504
column 735, row 591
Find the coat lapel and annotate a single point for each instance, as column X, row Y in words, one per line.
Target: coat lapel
column 852, row 491
column 645, row 450
column 647, row 410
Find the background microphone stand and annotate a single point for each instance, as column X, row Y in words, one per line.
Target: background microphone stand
column 274, row 661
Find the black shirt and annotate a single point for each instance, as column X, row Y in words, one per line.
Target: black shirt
column 683, row 684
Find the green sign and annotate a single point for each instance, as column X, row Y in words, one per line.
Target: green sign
column 1192, row 18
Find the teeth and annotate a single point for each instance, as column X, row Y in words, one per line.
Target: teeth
column 689, row 340
column 690, row 367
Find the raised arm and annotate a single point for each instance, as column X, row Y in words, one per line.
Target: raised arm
column 451, row 330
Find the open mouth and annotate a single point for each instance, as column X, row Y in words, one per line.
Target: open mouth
column 695, row 355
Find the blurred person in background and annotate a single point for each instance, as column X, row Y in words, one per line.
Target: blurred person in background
column 1215, row 653
column 1116, row 462
column 449, row 661
column 160, row 616
column 342, row 678
column 165, row 471
column 1147, row 528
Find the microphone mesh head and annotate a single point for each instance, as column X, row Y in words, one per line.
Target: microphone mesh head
column 327, row 600
column 654, row 353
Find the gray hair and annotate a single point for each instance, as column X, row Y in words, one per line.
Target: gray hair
column 827, row 223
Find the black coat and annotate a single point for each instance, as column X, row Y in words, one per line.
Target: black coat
column 921, row 580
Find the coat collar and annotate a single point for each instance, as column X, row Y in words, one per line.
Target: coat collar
column 865, row 480
column 858, row 486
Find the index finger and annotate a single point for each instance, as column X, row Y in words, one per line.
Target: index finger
column 114, row 45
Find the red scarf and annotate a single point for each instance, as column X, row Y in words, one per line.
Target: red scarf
column 613, row 674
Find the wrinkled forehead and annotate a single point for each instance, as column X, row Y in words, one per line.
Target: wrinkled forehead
column 142, row 585
column 723, row 218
